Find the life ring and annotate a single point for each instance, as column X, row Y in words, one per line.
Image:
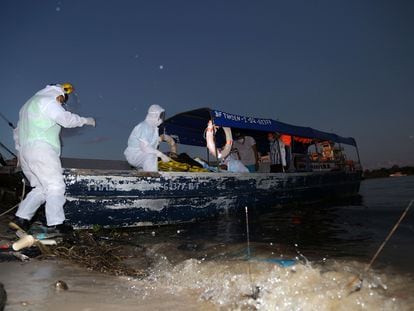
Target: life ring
column 211, row 146
column 170, row 141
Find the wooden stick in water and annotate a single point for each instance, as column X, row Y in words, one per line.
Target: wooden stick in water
column 255, row 289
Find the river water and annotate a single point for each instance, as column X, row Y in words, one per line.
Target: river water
column 291, row 258
column 300, row 258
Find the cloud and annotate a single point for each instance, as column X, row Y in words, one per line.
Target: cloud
column 96, row 140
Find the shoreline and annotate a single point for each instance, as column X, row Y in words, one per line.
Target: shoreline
column 31, row 285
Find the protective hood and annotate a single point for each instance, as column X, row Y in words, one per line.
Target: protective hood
column 154, row 115
column 51, row 91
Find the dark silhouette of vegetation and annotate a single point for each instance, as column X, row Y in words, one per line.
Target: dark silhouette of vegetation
column 386, row 172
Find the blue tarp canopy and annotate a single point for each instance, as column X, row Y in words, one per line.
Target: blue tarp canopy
column 188, row 127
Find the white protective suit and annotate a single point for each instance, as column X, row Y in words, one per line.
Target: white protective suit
column 143, row 142
column 38, row 142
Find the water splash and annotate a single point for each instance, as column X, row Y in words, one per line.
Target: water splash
column 226, row 284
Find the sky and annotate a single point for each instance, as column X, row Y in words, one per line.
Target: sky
column 338, row 66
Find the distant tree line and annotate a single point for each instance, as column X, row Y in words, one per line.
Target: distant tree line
column 386, row 172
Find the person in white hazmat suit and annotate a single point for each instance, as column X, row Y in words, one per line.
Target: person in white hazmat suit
column 38, row 143
column 143, row 142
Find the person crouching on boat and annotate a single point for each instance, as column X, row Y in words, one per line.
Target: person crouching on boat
column 277, row 153
column 143, row 142
column 38, row 143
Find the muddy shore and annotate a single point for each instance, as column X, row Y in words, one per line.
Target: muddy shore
column 32, row 286
column 100, row 274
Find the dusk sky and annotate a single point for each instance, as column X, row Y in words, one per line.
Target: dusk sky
column 338, row 66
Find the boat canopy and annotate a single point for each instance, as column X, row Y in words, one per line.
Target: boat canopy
column 188, row 127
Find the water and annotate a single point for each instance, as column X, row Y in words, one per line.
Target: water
column 331, row 244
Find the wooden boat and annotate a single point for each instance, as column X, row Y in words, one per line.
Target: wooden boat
column 125, row 197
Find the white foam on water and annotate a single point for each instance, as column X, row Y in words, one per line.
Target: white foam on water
column 229, row 285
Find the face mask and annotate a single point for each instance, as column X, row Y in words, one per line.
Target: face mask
column 72, row 104
column 162, row 116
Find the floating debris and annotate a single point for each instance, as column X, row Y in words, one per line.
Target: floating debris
column 61, row 285
column 88, row 250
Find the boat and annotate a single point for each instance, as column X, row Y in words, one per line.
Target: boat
column 398, row 174
column 124, row 197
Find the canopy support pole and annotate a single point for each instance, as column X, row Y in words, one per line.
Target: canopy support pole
column 357, row 151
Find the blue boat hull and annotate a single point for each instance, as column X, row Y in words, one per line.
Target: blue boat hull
column 117, row 198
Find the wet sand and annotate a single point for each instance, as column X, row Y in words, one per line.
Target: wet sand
column 31, row 286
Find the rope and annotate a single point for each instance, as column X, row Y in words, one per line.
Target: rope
column 388, row 237
column 361, row 276
column 9, row 210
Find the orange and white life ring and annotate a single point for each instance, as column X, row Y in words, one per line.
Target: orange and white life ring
column 170, row 141
column 211, row 146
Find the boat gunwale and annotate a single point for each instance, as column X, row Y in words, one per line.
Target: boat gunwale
column 135, row 173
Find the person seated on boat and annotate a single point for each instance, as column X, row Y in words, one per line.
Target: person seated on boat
column 246, row 148
column 327, row 150
column 38, row 143
column 277, row 153
column 142, row 151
